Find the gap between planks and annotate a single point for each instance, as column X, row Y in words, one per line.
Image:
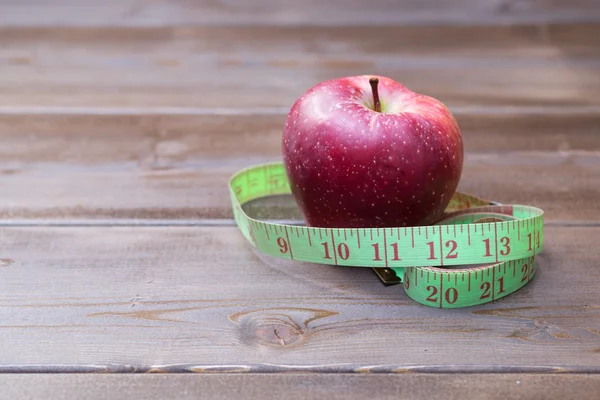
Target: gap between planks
column 88, row 13
column 216, row 222
column 201, row 111
column 270, row 368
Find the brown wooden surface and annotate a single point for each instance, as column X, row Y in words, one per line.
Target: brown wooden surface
column 274, row 12
column 177, row 166
column 250, row 67
column 121, row 122
column 301, row 386
column 157, row 140
column 198, row 298
column 566, row 186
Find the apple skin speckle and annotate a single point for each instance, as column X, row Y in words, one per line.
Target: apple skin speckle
column 350, row 166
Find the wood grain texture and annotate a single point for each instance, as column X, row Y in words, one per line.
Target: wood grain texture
column 162, row 139
column 301, row 386
column 250, row 67
column 149, row 166
column 137, row 112
column 199, row 299
column 273, row 12
column 565, row 185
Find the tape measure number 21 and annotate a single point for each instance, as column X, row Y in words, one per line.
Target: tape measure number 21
column 477, row 253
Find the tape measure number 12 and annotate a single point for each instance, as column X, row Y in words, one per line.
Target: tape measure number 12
column 477, row 253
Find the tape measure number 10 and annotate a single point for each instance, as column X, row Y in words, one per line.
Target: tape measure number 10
column 477, row 253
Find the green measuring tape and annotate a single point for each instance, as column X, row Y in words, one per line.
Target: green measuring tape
column 478, row 252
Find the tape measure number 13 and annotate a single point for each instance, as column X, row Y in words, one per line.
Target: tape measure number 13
column 477, row 253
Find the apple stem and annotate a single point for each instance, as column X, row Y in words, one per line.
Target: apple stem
column 377, row 105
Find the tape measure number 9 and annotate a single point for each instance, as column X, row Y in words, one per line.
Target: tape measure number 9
column 477, row 253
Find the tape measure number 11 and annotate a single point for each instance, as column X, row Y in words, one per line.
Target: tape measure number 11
column 477, row 253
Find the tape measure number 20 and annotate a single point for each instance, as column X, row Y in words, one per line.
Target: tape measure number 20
column 477, row 253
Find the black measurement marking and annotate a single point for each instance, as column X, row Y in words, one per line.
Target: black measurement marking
column 333, row 248
column 287, row 236
column 441, row 246
column 496, row 243
column 441, row 283
column 493, row 281
column 385, row 254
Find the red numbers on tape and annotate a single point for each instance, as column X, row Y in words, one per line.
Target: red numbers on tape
column 394, row 247
column 530, row 240
column 450, row 295
column 450, row 244
column 504, row 241
column 343, row 251
column 527, row 270
column 389, row 250
column 283, row 245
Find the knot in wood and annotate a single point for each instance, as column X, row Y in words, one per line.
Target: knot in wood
column 279, row 327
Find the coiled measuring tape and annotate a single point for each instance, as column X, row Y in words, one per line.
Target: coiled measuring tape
column 477, row 253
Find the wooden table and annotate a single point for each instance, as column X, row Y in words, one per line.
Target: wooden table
column 120, row 264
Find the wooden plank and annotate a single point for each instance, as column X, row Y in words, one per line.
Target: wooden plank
column 301, row 386
column 273, row 12
column 199, row 299
column 169, row 166
column 494, row 41
column 250, row 67
column 565, row 185
column 89, row 139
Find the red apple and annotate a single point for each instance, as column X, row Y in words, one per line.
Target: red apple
column 365, row 151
